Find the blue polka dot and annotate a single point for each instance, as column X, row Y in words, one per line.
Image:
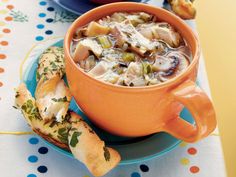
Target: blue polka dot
column 42, row 169
column 33, row 140
column 144, row 168
column 43, row 150
column 42, row 15
column 31, row 175
column 39, row 38
column 32, row 158
column 48, row 32
column 50, row 9
column 135, row 174
column 49, row 20
column 42, row 3
column 40, row 26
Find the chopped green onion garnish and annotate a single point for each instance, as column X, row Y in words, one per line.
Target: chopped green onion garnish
column 128, row 57
column 146, row 68
column 104, row 41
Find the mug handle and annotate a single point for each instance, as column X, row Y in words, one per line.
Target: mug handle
column 201, row 108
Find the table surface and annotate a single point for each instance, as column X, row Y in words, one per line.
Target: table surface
column 22, row 26
column 216, row 21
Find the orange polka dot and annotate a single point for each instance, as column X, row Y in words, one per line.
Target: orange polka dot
column 2, row 56
column 4, row 43
column 6, row 30
column 8, row 18
column 192, row 151
column 1, row 84
column 10, row 7
column 194, row 169
column 1, row 70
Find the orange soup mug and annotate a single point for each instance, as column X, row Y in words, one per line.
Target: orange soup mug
column 139, row 111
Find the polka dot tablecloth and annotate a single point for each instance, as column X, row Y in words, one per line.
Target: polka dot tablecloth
column 26, row 23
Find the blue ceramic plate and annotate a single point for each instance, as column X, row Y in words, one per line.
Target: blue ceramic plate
column 81, row 6
column 132, row 150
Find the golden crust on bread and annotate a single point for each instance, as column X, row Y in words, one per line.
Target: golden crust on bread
column 82, row 142
column 51, row 63
column 183, row 8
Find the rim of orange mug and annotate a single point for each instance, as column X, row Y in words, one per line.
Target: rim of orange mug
column 71, row 30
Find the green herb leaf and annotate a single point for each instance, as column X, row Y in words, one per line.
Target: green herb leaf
column 35, row 113
column 64, row 99
column 146, row 68
column 61, row 131
column 23, row 107
column 74, row 139
column 17, row 94
column 52, row 124
column 63, row 135
column 31, row 117
column 45, row 69
column 50, row 135
column 63, row 139
column 68, row 116
column 54, row 99
column 91, row 131
column 15, row 107
column 37, row 75
column 73, row 129
column 128, row 57
column 54, row 66
column 45, row 78
column 107, row 155
column 104, row 41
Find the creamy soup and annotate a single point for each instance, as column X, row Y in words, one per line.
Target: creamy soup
column 130, row 49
